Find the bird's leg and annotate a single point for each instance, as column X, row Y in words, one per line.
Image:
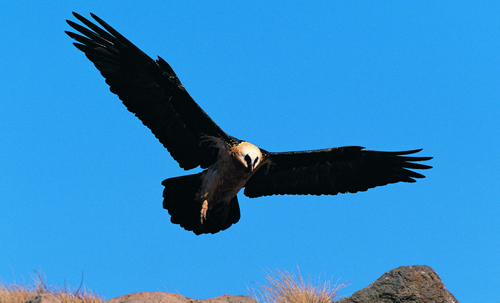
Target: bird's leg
column 203, row 213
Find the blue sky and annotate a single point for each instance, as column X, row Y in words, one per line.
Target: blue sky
column 81, row 177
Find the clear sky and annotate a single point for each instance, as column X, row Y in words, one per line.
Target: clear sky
column 81, row 191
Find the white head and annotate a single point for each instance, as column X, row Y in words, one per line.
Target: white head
column 247, row 154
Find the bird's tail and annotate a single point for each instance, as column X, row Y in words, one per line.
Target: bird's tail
column 180, row 201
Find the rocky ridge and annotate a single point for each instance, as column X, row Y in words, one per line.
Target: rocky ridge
column 406, row 284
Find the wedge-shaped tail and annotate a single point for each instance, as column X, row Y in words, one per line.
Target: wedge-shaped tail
column 180, row 201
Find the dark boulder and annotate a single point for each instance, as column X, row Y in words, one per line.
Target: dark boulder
column 404, row 285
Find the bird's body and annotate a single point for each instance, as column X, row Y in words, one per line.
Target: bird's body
column 206, row 202
column 222, row 187
column 214, row 195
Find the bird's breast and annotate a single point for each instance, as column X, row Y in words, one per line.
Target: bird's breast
column 222, row 181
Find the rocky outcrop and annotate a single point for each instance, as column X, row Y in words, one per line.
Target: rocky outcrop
column 404, row 285
column 407, row 284
column 228, row 299
column 162, row 297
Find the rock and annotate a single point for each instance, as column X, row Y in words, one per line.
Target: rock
column 227, row 299
column 44, row 298
column 163, row 297
column 149, row 297
column 404, row 285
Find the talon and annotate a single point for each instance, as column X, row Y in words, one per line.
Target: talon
column 203, row 213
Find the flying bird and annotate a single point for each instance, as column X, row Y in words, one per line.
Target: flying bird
column 206, row 202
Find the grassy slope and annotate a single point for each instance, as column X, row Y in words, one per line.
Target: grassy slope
column 14, row 293
column 281, row 287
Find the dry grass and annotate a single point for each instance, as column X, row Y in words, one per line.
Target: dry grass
column 288, row 287
column 14, row 293
column 281, row 287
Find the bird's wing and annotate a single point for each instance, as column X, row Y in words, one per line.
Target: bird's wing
column 151, row 90
column 332, row 171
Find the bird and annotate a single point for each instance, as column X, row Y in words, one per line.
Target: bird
column 206, row 202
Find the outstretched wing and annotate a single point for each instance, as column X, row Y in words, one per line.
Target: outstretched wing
column 151, row 90
column 332, row 171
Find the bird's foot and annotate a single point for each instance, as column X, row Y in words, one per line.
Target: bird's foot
column 203, row 213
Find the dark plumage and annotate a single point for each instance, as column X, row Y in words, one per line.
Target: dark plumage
column 206, row 202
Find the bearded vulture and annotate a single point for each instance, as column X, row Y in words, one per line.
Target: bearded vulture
column 206, row 202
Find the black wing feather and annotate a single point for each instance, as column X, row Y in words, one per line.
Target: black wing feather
column 151, row 90
column 332, row 171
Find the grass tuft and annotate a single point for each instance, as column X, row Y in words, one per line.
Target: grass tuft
column 289, row 287
column 15, row 293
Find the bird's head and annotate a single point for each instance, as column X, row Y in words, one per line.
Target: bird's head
column 248, row 155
